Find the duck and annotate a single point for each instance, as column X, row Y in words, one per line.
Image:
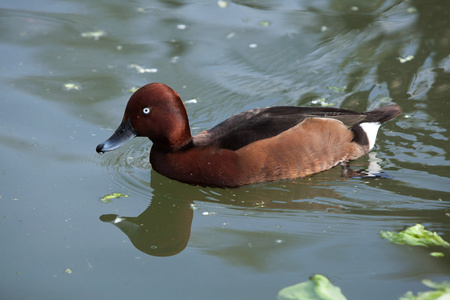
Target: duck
column 258, row 145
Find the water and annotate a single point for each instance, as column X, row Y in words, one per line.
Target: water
column 67, row 68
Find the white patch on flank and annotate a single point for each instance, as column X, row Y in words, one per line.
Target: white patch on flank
column 371, row 129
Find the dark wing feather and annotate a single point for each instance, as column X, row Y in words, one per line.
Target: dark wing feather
column 261, row 123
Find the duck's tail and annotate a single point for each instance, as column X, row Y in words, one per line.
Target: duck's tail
column 383, row 114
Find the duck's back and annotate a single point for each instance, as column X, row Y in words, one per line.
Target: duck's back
column 262, row 123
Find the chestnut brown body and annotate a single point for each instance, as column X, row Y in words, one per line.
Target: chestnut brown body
column 264, row 144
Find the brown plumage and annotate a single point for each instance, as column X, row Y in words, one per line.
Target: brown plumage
column 258, row 145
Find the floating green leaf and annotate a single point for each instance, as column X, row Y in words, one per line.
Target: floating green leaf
column 317, row 288
column 338, row 89
column 442, row 291
column 133, row 89
column 108, row 198
column 68, row 271
column 437, row 254
column 71, row 86
column 141, row 70
column 402, row 60
column 93, row 34
column 322, row 102
column 222, row 4
column 416, row 235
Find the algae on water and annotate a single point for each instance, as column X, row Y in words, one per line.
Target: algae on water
column 415, row 235
column 441, row 292
column 317, row 288
column 108, row 198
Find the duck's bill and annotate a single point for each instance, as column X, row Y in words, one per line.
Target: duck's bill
column 121, row 136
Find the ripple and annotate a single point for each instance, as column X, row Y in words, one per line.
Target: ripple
column 129, row 167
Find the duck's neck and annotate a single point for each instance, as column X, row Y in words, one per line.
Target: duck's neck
column 173, row 131
column 173, row 146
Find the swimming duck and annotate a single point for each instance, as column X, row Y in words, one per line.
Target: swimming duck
column 258, row 145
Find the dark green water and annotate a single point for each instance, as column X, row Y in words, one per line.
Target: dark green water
column 64, row 91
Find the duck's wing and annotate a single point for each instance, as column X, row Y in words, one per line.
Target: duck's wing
column 261, row 123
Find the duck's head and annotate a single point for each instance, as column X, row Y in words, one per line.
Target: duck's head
column 154, row 111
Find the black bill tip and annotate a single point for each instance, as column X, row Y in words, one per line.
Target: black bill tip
column 123, row 134
column 99, row 148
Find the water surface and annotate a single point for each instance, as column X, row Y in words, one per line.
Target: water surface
column 66, row 73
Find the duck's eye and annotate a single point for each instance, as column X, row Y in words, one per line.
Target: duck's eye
column 146, row 111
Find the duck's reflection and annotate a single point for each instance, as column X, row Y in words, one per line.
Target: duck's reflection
column 164, row 228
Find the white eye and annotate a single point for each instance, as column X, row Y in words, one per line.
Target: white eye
column 146, row 110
